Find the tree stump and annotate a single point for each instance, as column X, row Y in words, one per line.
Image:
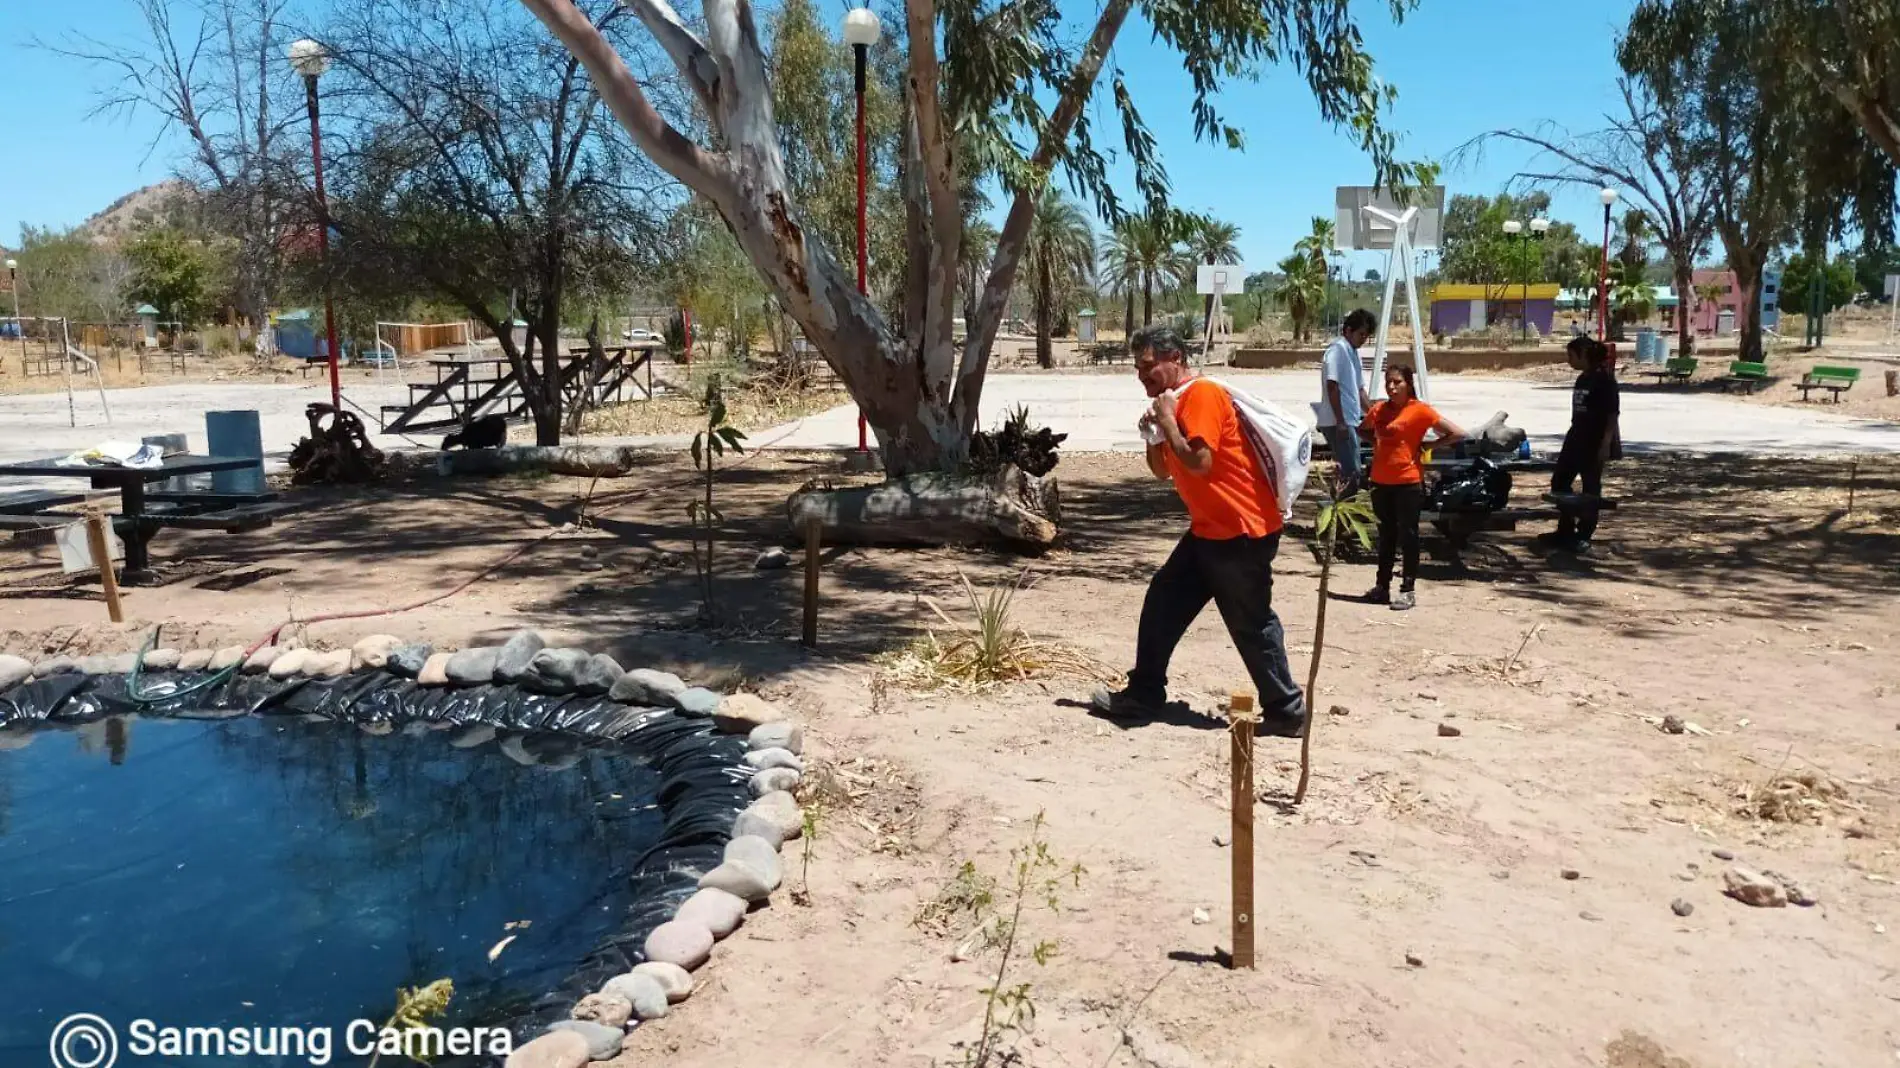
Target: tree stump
column 1008, row 507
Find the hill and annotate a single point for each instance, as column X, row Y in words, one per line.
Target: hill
column 139, row 208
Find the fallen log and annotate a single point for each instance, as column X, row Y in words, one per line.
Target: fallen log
column 1009, row 506
column 586, row 461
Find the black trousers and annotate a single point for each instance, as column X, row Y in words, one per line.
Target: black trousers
column 1572, row 463
column 1397, row 508
column 1237, row 575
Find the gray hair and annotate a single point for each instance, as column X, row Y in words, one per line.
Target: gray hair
column 1164, row 341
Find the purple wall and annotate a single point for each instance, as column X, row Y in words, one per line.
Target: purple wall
column 1451, row 316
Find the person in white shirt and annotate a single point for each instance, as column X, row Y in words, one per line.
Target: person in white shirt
column 1343, row 400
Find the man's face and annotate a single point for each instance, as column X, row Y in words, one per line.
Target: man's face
column 1158, row 375
column 1356, row 337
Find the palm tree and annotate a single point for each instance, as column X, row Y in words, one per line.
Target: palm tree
column 973, row 267
column 1214, row 242
column 1636, row 237
column 1061, row 254
column 1316, row 245
column 1301, row 290
column 1142, row 251
column 1631, row 295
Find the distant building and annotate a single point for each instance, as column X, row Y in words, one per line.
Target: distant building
column 1708, row 318
column 1459, row 307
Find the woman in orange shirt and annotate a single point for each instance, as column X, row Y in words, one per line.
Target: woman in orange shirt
column 1398, row 426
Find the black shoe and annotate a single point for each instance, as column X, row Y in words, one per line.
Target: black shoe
column 1379, row 595
column 1126, row 704
column 1282, row 725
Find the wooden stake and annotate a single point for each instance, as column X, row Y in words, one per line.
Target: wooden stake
column 102, row 559
column 1240, row 726
column 812, row 545
column 1853, row 479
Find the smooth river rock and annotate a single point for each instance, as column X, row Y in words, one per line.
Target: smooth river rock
column 473, row 667
column 680, row 942
column 675, row 980
column 61, row 665
column 288, row 662
column 767, row 759
column 516, row 654
column 14, row 670
column 555, row 671
column 407, row 660
column 781, row 735
column 556, row 1049
column 260, row 661
column 602, row 1041
column 717, row 910
column 331, row 665
column 227, row 657
column 162, row 659
column 766, row 782
column 644, row 993
column 644, row 686
column 742, row 713
column 373, row 651
column 195, row 660
column 599, row 676
column 434, row 670
column 697, row 701
column 614, row 1010
column 774, row 817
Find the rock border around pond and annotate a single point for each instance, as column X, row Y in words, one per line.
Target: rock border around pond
column 566, row 688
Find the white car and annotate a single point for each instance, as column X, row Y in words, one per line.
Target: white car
column 638, row 334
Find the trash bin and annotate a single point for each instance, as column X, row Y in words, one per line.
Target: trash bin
column 236, row 433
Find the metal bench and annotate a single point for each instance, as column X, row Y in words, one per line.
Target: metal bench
column 1745, row 374
column 1835, row 380
column 1676, row 369
column 27, row 502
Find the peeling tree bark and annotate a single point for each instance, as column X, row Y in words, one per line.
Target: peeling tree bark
column 918, row 393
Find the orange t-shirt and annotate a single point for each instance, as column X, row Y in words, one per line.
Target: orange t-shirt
column 1234, row 499
column 1397, row 434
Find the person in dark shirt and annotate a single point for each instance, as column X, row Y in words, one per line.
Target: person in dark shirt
column 1595, row 405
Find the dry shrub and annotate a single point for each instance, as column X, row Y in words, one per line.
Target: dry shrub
column 990, row 651
column 1804, row 797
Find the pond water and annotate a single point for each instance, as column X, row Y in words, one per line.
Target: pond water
column 272, row 872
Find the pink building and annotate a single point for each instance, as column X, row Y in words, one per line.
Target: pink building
column 1707, row 317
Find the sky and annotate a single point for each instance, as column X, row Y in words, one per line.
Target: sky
column 1461, row 67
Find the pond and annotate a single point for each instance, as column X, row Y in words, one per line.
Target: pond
column 294, row 871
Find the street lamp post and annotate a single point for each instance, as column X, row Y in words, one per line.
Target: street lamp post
column 19, row 324
column 861, row 31
column 311, row 59
column 1608, row 197
column 1517, row 233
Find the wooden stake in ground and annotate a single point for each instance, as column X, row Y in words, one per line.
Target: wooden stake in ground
column 1241, row 720
column 813, row 541
column 102, row 559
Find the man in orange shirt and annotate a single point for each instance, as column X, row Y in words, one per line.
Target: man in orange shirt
column 1195, row 440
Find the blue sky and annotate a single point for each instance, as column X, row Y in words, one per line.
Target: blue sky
column 1461, row 66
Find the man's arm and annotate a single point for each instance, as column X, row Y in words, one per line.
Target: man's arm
column 1194, row 455
column 1332, row 398
column 1156, row 462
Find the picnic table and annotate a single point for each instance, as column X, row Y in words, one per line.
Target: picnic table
column 137, row 521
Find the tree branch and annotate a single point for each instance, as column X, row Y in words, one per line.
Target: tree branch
column 1022, row 211
column 666, row 146
column 696, row 65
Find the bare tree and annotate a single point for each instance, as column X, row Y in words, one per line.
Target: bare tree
column 1005, row 77
column 1649, row 154
column 500, row 186
column 215, row 71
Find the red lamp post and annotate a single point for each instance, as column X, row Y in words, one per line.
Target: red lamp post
column 311, row 59
column 861, row 31
column 1608, row 197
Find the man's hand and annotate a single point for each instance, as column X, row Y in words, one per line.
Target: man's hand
column 1163, row 410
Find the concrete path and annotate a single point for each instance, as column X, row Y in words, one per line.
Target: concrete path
column 1098, row 412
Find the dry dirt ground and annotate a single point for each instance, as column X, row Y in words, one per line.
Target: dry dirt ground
column 1415, row 911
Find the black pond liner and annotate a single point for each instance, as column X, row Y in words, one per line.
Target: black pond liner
column 703, row 779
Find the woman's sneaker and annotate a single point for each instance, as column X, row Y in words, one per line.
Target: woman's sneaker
column 1379, row 595
column 1404, row 600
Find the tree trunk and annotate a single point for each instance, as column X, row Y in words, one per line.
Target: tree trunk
column 1010, row 507
column 1128, row 313
column 1747, row 268
column 1685, row 288
column 1045, row 296
column 1207, row 311
column 1147, row 298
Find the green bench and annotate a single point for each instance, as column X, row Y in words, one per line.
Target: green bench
column 1836, row 380
column 1746, row 375
column 1677, row 368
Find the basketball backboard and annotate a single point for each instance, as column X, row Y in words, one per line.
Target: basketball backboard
column 1353, row 228
column 1212, row 278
